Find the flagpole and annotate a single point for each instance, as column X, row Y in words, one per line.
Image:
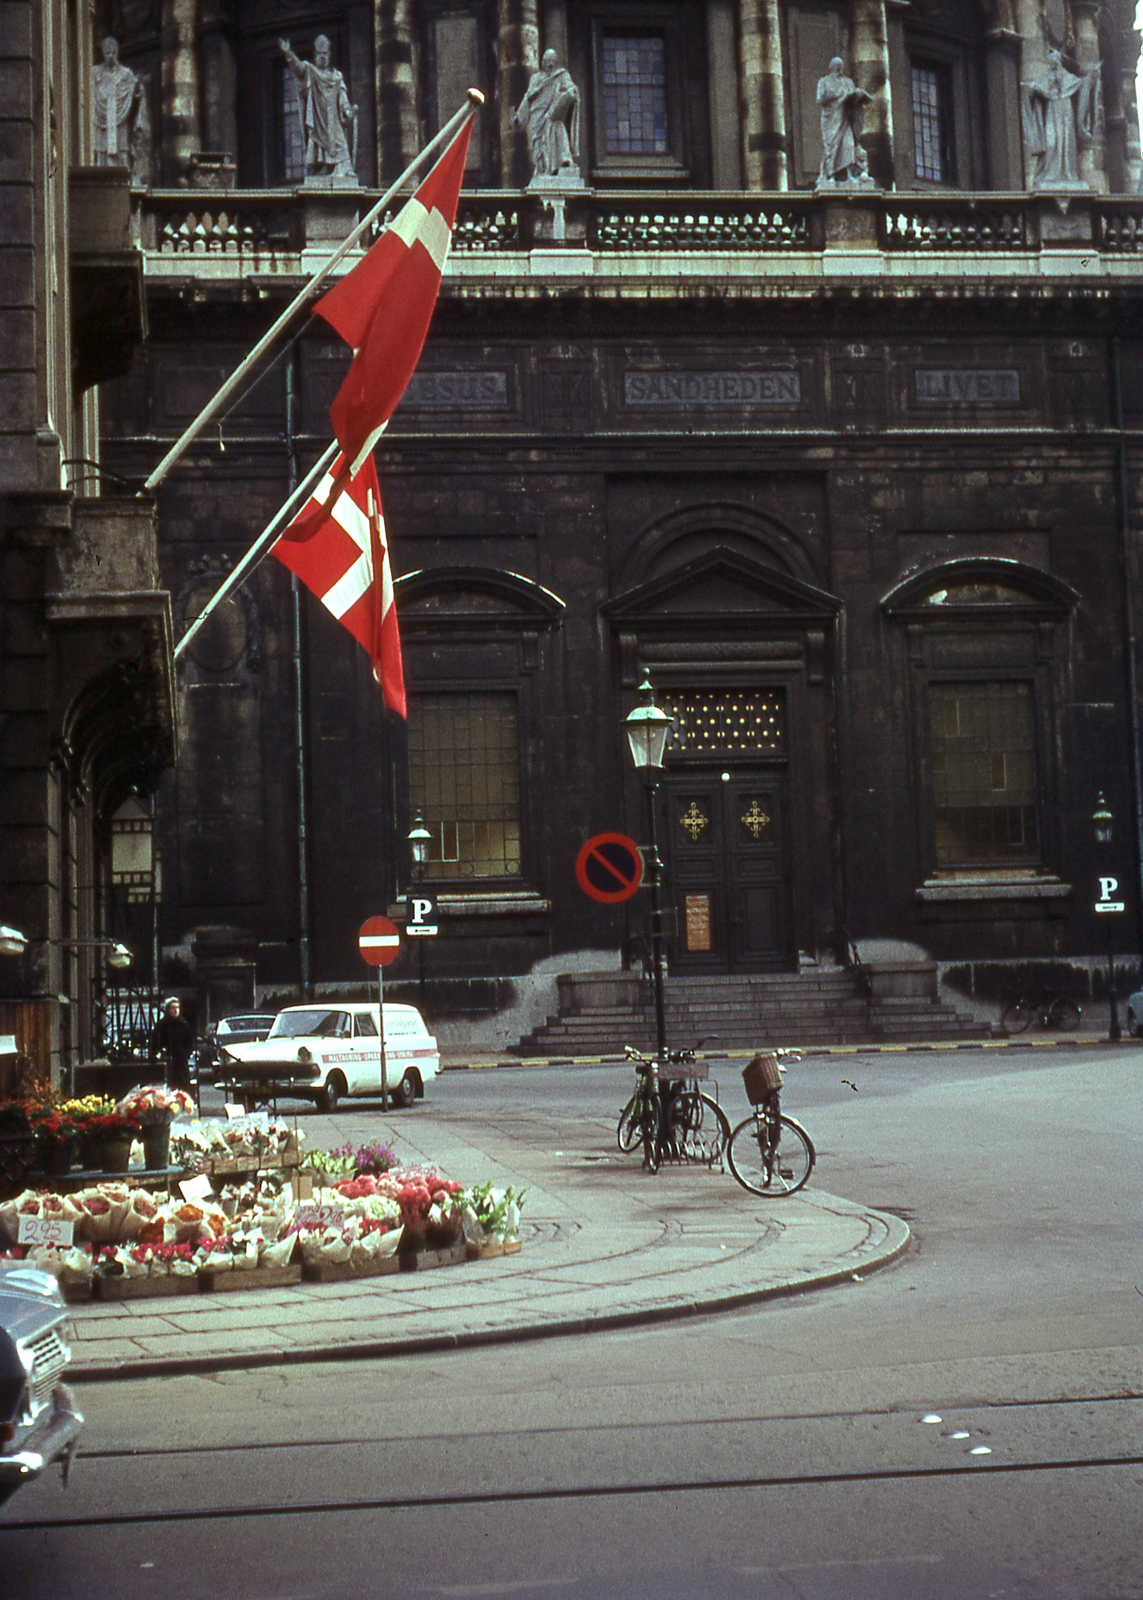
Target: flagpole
column 214, row 405
column 261, row 546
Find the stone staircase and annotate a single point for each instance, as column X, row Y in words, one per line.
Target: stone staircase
column 601, row 1012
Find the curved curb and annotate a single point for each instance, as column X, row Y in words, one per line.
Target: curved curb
column 855, row 1267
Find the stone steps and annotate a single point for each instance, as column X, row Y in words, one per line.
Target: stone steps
column 748, row 1012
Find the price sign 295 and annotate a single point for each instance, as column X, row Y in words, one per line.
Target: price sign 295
column 45, row 1230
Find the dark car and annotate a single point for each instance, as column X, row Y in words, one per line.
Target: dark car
column 242, row 1027
column 39, row 1423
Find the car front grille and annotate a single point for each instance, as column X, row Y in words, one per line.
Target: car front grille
column 51, row 1357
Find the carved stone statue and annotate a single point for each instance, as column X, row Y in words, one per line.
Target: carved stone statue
column 842, row 102
column 550, row 113
column 1059, row 112
column 119, row 108
column 328, row 117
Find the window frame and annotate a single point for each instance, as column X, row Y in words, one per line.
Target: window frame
column 944, row 71
column 632, row 22
column 479, row 883
column 1034, row 860
column 1022, row 639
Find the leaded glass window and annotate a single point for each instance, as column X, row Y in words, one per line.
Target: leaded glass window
column 983, row 761
column 464, row 779
column 931, row 118
column 725, row 721
column 635, row 94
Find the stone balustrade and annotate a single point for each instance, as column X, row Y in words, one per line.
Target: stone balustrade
column 271, row 230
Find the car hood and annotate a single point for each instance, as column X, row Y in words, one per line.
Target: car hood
column 277, row 1049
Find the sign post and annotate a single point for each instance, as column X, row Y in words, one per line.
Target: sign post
column 1108, row 903
column 380, row 943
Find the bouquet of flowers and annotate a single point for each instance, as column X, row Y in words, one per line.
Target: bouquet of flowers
column 153, row 1104
column 96, row 1116
column 488, row 1213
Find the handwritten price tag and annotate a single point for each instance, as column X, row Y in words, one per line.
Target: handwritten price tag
column 199, row 1188
column 45, row 1230
column 312, row 1217
column 259, row 1121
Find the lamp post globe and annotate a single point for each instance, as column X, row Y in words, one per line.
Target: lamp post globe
column 12, row 941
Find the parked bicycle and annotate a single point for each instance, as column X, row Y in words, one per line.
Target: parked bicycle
column 1053, row 1010
column 769, row 1154
column 669, row 1115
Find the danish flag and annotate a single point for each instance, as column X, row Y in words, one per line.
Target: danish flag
column 382, row 309
column 345, row 562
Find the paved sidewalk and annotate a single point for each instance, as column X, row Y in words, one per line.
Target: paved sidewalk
column 605, row 1245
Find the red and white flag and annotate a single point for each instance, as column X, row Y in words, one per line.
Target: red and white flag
column 382, row 308
column 339, row 552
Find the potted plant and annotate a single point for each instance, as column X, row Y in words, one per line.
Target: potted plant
column 154, row 1107
column 105, row 1133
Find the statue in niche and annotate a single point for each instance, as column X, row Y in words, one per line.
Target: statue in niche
column 549, row 112
column 329, row 120
column 119, row 109
column 842, row 103
column 1059, row 112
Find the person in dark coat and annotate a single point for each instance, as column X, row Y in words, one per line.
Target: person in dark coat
column 172, row 1043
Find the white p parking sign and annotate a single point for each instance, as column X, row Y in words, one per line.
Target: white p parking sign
column 1108, row 889
column 420, row 915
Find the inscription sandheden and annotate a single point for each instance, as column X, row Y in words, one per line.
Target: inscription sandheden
column 442, row 389
column 980, row 386
column 712, row 388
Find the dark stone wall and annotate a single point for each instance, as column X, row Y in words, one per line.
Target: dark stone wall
column 596, row 451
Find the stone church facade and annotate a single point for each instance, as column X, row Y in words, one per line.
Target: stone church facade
column 851, row 468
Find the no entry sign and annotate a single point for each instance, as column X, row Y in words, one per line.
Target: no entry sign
column 379, row 941
column 609, row 868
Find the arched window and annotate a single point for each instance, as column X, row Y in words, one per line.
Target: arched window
column 985, row 645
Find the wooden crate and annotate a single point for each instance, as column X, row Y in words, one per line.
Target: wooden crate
column 423, row 1260
column 149, row 1288
column 250, row 1278
column 491, row 1248
column 342, row 1271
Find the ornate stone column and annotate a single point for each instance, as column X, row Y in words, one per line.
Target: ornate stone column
column 519, row 38
column 869, row 68
column 765, row 145
column 1092, row 164
column 182, row 130
column 398, row 127
column 1002, row 83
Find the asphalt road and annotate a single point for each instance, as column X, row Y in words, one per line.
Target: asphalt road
column 786, row 1452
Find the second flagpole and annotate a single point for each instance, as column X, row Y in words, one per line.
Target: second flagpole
column 261, row 546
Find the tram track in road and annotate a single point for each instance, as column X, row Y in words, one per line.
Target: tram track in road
column 830, row 1446
column 507, row 1497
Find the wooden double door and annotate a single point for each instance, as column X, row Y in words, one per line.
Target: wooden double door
column 728, row 869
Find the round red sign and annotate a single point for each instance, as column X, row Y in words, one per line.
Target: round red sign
column 609, row 868
column 379, row 941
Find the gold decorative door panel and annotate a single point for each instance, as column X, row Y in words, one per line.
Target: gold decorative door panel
column 726, row 860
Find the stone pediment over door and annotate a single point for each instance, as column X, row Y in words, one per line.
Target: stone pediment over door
column 722, row 606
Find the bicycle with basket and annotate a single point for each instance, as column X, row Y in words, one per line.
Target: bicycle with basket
column 769, row 1153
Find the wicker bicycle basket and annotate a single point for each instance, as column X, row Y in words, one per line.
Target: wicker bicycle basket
column 761, row 1077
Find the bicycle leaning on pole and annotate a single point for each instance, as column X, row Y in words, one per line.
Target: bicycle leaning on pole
column 669, row 1115
column 768, row 1153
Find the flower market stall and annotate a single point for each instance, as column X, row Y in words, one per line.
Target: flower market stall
column 249, row 1213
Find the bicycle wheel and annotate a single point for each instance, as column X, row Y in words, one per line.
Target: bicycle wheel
column 630, row 1130
column 649, row 1123
column 766, row 1169
column 1017, row 1017
column 699, row 1130
column 1064, row 1014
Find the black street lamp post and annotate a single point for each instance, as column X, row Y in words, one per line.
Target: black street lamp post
column 647, row 729
column 418, row 837
column 1103, row 825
